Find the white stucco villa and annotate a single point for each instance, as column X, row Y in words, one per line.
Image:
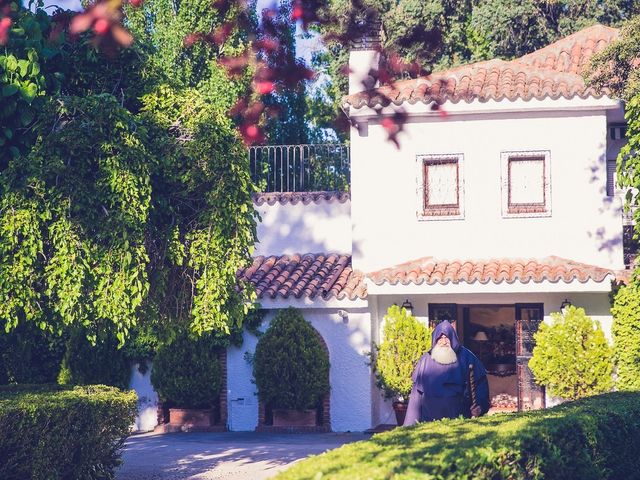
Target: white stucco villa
column 494, row 210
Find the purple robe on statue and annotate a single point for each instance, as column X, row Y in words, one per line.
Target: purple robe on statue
column 442, row 391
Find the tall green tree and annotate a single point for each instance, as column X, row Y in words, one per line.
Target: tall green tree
column 129, row 199
column 289, row 124
column 616, row 69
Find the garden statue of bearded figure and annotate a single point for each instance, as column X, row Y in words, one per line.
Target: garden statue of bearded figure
column 448, row 381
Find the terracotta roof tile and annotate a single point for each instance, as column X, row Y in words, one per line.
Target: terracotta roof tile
column 271, row 198
column 310, row 275
column 553, row 71
column 430, row 271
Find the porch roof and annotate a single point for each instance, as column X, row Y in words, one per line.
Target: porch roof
column 430, row 271
column 311, row 275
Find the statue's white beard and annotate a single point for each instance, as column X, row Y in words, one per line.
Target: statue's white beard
column 444, row 355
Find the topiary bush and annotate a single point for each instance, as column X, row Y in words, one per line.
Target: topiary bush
column 596, row 438
column 572, row 357
column 186, row 373
column 405, row 340
column 49, row 432
column 291, row 365
column 626, row 337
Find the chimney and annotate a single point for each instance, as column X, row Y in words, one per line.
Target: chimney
column 364, row 56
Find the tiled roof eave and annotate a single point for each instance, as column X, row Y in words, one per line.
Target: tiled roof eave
column 429, row 271
column 609, row 276
column 427, row 101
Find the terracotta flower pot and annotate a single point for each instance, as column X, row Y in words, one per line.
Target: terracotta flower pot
column 190, row 417
column 400, row 408
column 294, row 418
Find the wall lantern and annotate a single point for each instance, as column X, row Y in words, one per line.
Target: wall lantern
column 408, row 306
column 566, row 303
column 480, row 336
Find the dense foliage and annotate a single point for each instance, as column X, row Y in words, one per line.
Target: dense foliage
column 186, row 373
column 616, row 69
column 291, row 365
column 626, row 337
column 101, row 363
column 405, row 340
column 591, row 439
column 128, row 195
column 30, row 355
column 50, row 433
column 572, row 357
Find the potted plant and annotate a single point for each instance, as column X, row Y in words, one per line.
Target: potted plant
column 405, row 340
column 186, row 374
column 291, row 369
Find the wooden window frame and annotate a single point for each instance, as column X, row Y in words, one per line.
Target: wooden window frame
column 541, row 209
column 452, row 211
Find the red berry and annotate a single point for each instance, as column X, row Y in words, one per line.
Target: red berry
column 388, row 124
column 297, row 12
column 263, row 88
column 101, row 27
column 252, row 132
column 135, row 3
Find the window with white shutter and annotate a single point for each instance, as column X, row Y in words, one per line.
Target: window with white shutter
column 526, row 189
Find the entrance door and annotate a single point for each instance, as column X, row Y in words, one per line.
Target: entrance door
column 528, row 319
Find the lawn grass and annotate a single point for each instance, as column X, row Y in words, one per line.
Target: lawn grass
column 594, row 438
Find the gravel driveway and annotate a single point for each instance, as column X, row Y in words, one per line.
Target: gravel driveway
column 232, row 455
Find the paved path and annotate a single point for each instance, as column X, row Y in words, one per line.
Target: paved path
column 233, row 455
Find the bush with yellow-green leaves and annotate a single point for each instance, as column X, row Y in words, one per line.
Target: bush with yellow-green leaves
column 572, row 357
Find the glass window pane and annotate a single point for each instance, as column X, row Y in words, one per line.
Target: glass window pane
column 526, row 179
column 442, row 184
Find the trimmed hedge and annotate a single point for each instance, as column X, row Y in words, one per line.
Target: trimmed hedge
column 593, row 438
column 50, row 432
column 187, row 372
column 291, row 365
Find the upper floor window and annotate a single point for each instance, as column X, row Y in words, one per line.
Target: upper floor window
column 526, row 184
column 441, row 187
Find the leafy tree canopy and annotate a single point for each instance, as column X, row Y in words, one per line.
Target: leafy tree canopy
column 126, row 195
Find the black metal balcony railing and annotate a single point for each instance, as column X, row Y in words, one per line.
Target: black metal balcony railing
column 300, row 168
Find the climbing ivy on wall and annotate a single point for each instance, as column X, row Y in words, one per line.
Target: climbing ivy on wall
column 626, row 337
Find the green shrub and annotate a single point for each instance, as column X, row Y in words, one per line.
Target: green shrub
column 595, row 438
column 572, row 357
column 29, row 354
column 186, row 372
column 291, row 365
column 405, row 340
column 626, row 337
column 86, row 364
column 50, row 432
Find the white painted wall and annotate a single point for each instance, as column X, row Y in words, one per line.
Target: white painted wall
column 585, row 224
column 318, row 227
column 147, row 417
column 348, row 342
column 595, row 304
